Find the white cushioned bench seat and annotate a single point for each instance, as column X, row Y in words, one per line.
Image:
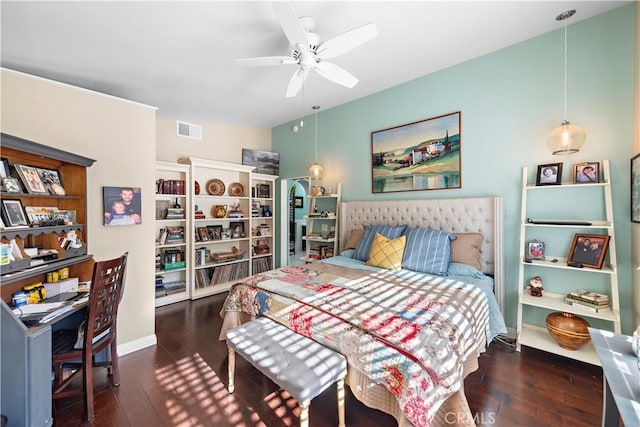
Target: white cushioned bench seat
column 300, row 365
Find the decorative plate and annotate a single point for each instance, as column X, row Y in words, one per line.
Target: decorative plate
column 215, row 187
column 236, row 189
column 197, row 188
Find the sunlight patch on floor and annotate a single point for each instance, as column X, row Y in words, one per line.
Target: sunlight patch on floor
column 193, row 387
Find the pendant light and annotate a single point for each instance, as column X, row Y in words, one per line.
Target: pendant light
column 316, row 171
column 566, row 138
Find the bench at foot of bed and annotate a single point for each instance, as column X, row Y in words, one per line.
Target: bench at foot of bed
column 299, row 365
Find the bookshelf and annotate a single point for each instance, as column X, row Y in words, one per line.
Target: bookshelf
column 172, row 229
column 262, row 222
column 322, row 225
column 220, row 214
column 562, row 277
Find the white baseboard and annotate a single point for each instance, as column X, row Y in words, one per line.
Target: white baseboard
column 136, row 345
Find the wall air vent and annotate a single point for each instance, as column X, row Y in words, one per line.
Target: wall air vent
column 189, row 130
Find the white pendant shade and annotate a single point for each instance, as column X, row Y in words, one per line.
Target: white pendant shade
column 316, row 171
column 566, row 139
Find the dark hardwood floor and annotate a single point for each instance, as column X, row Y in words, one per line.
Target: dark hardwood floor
column 182, row 382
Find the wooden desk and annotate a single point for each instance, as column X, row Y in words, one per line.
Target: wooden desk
column 25, row 366
column 621, row 378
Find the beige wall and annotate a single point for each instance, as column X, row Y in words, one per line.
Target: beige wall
column 221, row 142
column 120, row 135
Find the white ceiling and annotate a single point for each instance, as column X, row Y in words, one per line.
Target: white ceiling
column 179, row 56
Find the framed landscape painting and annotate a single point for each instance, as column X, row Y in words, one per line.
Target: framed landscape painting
column 265, row 162
column 423, row 155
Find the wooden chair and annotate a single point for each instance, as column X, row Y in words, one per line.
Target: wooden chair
column 99, row 328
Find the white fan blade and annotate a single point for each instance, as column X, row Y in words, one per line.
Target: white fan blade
column 336, row 74
column 266, row 61
column 296, row 82
column 290, row 23
column 346, row 41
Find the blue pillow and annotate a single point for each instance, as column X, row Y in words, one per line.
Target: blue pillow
column 465, row 270
column 427, row 251
column 347, row 253
column 364, row 245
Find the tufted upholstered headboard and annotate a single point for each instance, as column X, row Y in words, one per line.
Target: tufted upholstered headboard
column 464, row 215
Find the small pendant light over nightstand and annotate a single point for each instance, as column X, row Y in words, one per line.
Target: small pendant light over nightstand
column 566, row 138
column 316, row 171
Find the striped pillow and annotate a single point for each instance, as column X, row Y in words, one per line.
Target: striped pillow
column 427, row 251
column 364, row 245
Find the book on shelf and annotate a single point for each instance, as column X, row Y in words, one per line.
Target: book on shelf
column 170, row 186
column 173, row 259
column 589, row 295
column 175, row 213
column 586, row 301
column 162, row 236
column 174, row 287
column 586, row 306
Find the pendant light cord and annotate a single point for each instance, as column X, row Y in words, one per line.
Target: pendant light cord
column 565, row 70
column 316, row 135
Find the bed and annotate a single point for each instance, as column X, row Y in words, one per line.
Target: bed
column 411, row 327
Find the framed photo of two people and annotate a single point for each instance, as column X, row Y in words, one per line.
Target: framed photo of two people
column 589, row 250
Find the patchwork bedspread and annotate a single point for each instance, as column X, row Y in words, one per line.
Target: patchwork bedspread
column 409, row 336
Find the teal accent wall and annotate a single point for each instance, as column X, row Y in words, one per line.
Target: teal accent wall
column 510, row 100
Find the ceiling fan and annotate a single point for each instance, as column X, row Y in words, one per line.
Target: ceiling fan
column 309, row 52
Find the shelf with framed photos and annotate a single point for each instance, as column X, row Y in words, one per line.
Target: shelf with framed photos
column 567, row 254
column 172, row 198
column 64, row 215
column 26, row 363
column 322, row 224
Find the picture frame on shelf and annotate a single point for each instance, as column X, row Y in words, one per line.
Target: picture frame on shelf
column 263, row 191
column 588, row 250
column 13, row 213
column 4, row 168
column 549, row 174
column 236, row 229
column 40, row 214
column 31, row 179
column 586, row 173
column 635, row 188
column 535, row 249
column 265, row 162
column 11, row 185
column 52, row 182
column 203, row 234
column 66, row 216
column 215, row 232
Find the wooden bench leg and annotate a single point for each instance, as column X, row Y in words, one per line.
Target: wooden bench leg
column 232, row 368
column 304, row 415
column 341, row 403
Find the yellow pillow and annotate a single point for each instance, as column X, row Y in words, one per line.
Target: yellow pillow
column 387, row 253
